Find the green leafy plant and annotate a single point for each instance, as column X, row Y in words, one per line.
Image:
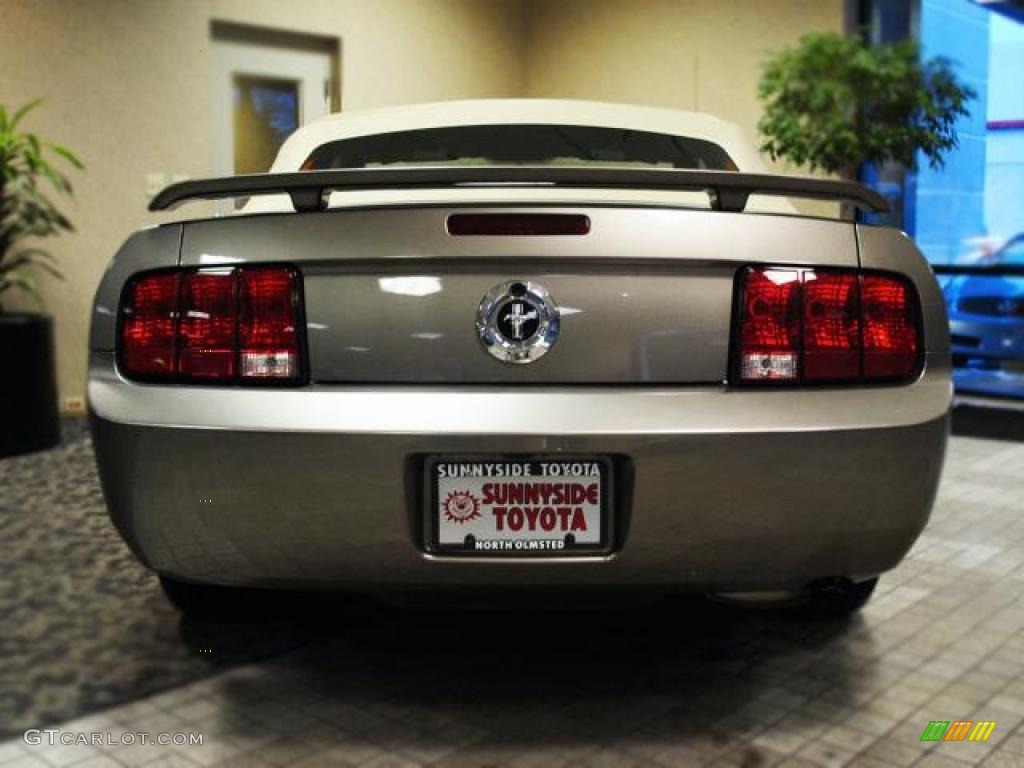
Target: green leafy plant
column 26, row 211
column 833, row 102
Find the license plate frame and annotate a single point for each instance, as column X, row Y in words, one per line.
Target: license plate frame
column 433, row 511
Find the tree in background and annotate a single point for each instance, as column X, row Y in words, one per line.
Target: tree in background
column 834, row 103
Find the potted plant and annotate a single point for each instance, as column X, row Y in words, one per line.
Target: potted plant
column 29, row 418
column 835, row 103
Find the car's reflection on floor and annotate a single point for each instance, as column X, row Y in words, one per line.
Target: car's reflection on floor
column 428, row 679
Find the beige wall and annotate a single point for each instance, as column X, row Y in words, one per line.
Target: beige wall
column 703, row 55
column 127, row 82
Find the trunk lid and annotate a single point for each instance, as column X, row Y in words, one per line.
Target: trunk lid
column 645, row 297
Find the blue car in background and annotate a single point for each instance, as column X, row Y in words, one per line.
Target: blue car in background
column 986, row 317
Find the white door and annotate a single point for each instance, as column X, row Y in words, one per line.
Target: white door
column 261, row 94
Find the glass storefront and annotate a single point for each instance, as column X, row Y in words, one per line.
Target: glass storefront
column 968, row 217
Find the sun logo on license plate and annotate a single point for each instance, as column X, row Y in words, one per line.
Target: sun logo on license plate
column 461, row 507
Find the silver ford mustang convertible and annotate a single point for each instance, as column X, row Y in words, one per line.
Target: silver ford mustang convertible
column 520, row 344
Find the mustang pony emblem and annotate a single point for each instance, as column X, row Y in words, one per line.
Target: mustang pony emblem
column 519, row 318
column 518, row 322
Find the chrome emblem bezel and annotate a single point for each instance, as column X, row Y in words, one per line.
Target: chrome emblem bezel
column 489, row 316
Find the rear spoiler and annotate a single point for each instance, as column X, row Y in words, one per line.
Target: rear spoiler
column 728, row 190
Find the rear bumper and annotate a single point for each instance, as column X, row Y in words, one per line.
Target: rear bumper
column 321, row 488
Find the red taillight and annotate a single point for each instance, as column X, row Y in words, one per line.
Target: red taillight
column 206, row 342
column 770, row 332
column 226, row 325
column 891, row 330
column 267, row 335
column 825, row 325
column 149, row 325
column 831, row 326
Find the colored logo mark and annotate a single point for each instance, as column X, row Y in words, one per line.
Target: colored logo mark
column 958, row 730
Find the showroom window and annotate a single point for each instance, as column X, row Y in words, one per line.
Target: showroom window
column 967, row 217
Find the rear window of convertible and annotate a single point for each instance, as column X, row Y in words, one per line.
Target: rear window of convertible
column 561, row 145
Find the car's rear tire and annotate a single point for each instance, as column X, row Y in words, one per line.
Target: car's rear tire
column 836, row 598
column 208, row 601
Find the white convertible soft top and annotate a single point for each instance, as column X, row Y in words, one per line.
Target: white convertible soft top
column 298, row 147
column 674, row 122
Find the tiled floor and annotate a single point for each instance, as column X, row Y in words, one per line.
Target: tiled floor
column 680, row 683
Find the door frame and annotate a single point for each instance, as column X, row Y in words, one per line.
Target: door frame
column 279, row 44
column 250, row 34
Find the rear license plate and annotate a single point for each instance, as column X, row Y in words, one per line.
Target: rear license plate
column 502, row 506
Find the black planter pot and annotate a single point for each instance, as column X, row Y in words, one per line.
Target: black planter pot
column 29, row 419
